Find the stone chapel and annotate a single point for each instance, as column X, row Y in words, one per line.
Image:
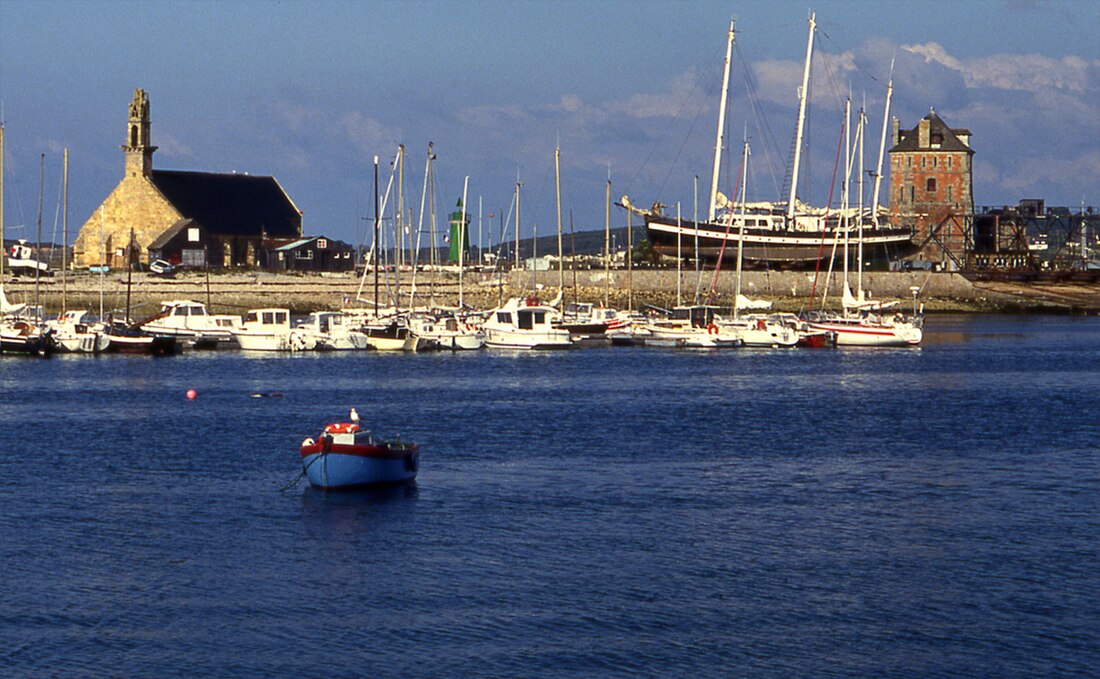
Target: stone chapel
column 220, row 219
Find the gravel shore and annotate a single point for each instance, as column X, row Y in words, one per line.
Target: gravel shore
column 302, row 293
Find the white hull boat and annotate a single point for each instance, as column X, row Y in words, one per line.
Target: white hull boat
column 525, row 324
column 269, row 330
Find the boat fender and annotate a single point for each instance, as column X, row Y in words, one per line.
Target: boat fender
column 308, row 443
column 712, row 329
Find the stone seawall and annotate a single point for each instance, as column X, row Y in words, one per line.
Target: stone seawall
column 788, row 290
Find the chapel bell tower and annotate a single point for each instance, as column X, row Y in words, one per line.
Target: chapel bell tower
column 139, row 153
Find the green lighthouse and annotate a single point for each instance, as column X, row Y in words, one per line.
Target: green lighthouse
column 459, row 237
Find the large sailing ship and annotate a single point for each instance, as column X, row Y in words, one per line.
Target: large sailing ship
column 790, row 234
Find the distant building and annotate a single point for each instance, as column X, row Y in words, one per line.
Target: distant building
column 931, row 185
column 193, row 217
column 317, row 253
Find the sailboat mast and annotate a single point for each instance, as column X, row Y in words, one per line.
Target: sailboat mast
column 557, row 184
column 679, row 254
column 859, row 213
column 629, row 261
column 1, row 200
column 102, row 261
column 882, row 147
column 398, row 225
column 741, row 230
column 801, row 121
column 844, row 216
column 431, row 222
column 462, row 237
column 607, row 243
column 64, row 230
column 374, row 244
column 38, row 249
column 721, row 127
column 518, row 185
column 129, row 274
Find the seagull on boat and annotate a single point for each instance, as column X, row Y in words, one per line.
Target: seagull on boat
column 354, row 416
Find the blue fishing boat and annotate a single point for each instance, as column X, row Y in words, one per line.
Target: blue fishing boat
column 346, row 456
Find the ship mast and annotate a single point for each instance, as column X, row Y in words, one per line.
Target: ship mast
column 718, row 141
column 1, row 200
column 801, row 120
column 882, row 147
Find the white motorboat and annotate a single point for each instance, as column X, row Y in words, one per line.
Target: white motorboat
column 762, row 332
column 270, row 330
column 589, row 321
column 329, row 331
column 448, row 330
column 189, row 321
column 74, row 332
column 525, row 324
column 696, row 327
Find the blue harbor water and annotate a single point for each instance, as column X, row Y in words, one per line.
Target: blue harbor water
column 601, row 512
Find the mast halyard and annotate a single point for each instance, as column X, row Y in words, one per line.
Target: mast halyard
column 801, row 121
column 718, row 142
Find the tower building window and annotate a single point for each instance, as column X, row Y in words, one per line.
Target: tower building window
column 930, row 185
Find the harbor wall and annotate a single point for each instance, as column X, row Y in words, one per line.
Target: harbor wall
column 787, row 290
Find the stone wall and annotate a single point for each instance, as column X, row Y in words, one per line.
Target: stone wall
column 135, row 203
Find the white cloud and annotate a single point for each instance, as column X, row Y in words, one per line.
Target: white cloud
column 1021, row 72
column 169, row 145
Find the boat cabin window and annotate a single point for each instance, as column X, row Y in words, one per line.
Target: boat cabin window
column 526, row 320
column 451, row 325
column 504, row 317
column 197, row 311
column 269, row 318
column 281, row 317
column 252, row 317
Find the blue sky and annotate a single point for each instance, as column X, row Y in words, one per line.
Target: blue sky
column 310, row 91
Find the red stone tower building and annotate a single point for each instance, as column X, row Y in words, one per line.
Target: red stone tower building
column 931, row 186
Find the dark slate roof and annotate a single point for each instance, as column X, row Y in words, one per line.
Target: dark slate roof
column 231, row 204
column 171, row 233
column 910, row 139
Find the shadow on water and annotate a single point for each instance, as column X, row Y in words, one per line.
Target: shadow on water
column 361, row 500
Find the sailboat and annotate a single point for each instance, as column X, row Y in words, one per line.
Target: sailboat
column 863, row 321
column 771, row 233
column 18, row 333
column 130, row 338
column 759, row 331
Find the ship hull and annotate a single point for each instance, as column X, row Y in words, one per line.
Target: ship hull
column 766, row 246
